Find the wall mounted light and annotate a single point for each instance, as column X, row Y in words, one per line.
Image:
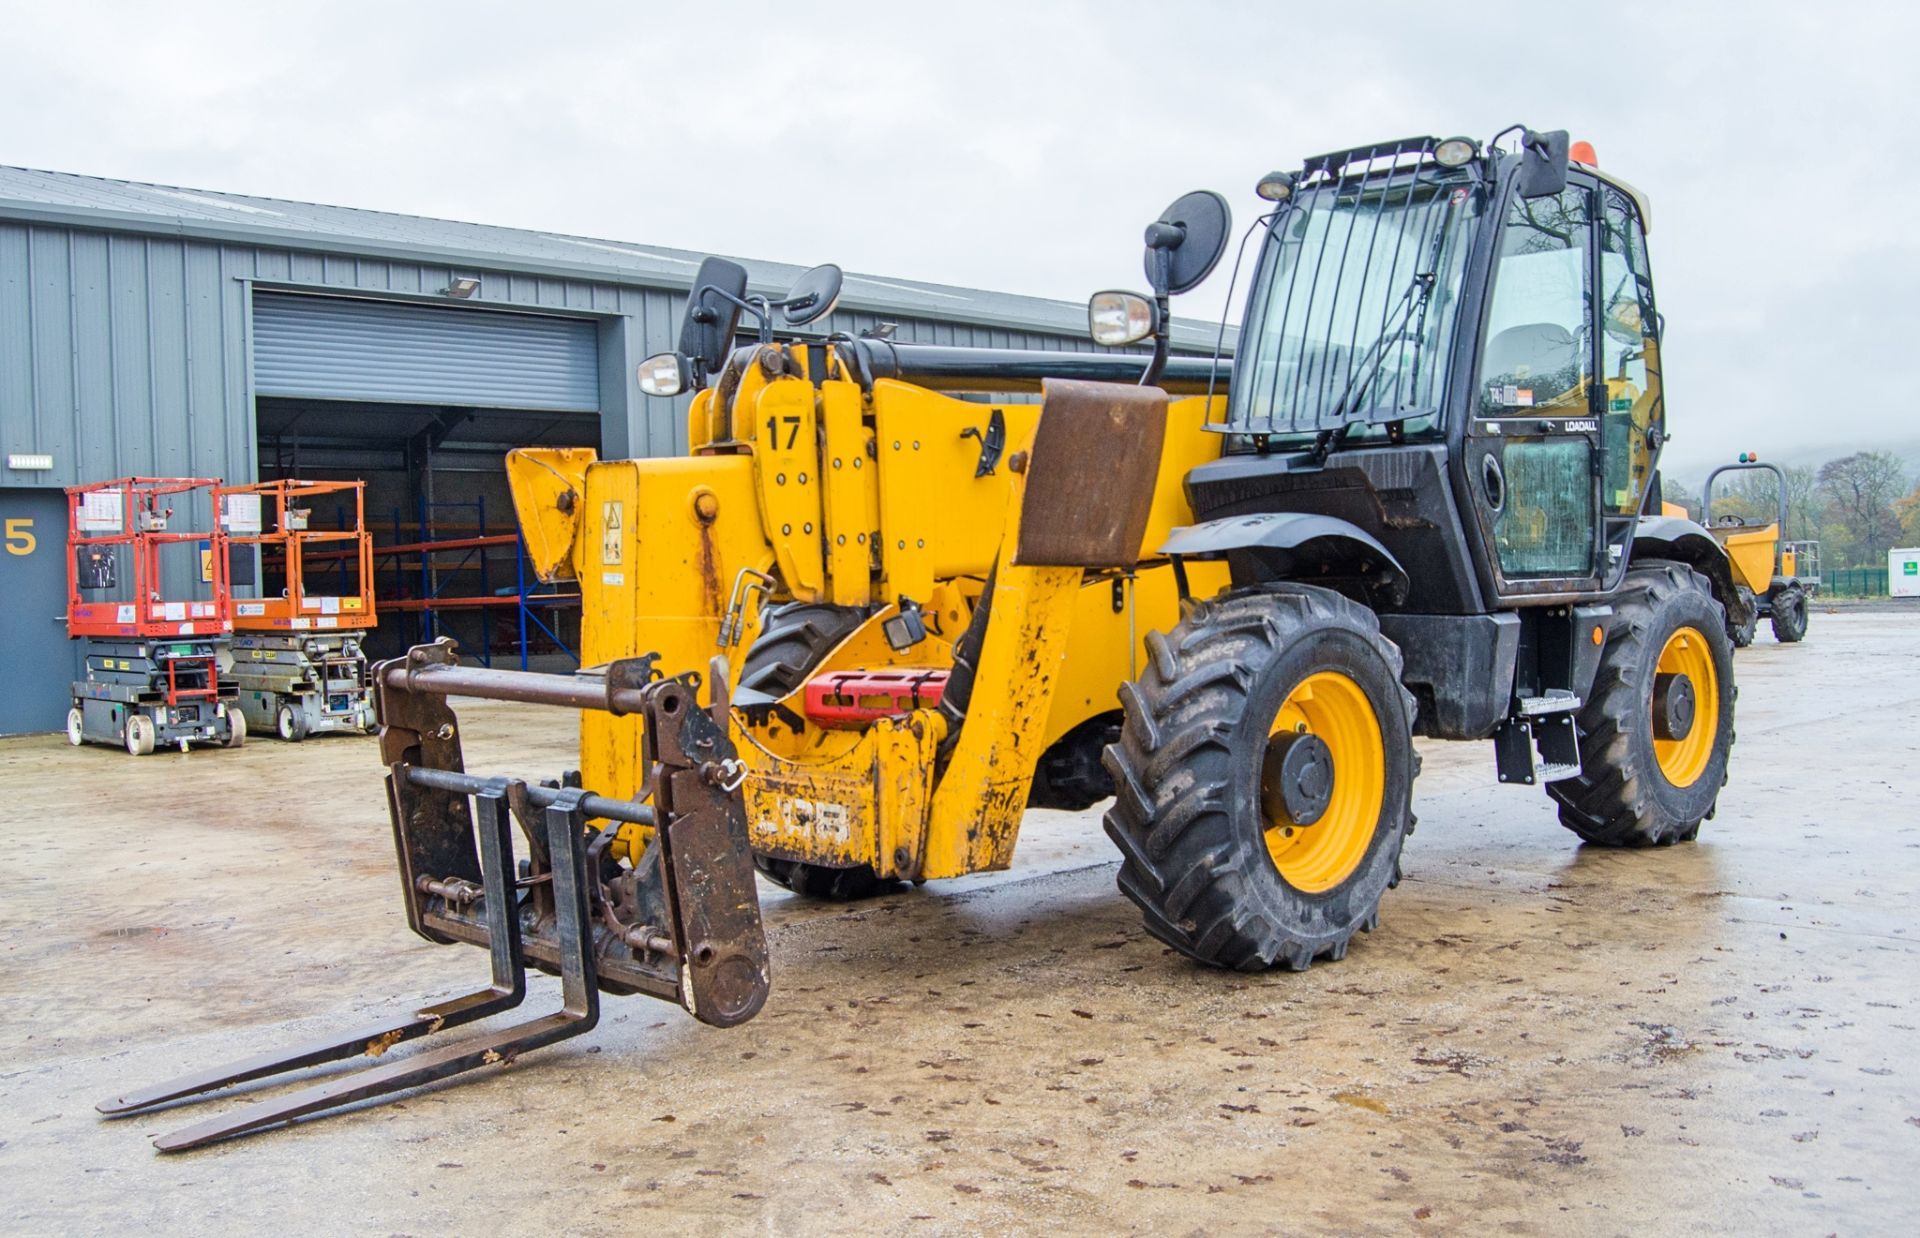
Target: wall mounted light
column 462, row 287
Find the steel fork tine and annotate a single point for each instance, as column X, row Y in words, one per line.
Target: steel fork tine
column 507, row 990
column 565, row 820
column 495, row 1049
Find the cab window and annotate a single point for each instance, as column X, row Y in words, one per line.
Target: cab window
column 1538, row 351
column 1629, row 354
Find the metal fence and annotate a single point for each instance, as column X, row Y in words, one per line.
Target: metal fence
column 1854, row 582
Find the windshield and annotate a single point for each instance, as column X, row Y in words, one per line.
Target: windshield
column 1352, row 310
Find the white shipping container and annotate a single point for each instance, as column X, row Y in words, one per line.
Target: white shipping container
column 1903, row 572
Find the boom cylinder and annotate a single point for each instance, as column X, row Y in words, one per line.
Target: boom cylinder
column 945, row 368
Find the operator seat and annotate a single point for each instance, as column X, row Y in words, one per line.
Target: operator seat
column 1536, row 349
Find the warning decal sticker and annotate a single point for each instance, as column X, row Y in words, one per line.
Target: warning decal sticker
column 610, row 541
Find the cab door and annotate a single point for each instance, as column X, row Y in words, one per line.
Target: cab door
column 1633, row 423
column 1533, row 440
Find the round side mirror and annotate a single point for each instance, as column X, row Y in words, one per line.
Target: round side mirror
column 1194, row 231
column 812, row 296
column 1116, row 318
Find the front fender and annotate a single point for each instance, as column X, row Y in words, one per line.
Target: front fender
column 1684, row 541
column 1298, row 546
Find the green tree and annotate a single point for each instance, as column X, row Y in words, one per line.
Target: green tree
column 1804, row 508
column 1907, row 511
column 1860, row 490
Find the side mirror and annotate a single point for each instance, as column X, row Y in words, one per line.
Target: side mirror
column 1543, row 163
column 665, row 374
column 1116, row 318
column 1183, row 246
column 812, row 296
column 713, row 313
column 1185, row 243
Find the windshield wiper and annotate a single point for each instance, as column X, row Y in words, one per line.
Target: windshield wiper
column 1423, row 282
column 1376, row 357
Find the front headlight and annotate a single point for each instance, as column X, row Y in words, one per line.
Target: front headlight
column 1275, row 186
column 1456, row 152
column 663, row 374
column 1117, row 318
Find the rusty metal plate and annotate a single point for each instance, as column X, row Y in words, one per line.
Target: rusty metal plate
column 1090, row 475
column 709, row 864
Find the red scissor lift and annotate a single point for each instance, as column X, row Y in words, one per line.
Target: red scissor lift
column 153, row 674
column 297, row 657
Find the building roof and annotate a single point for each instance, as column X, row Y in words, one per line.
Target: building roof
column 70, row 200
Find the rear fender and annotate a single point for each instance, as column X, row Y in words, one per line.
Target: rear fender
column 1299, row 546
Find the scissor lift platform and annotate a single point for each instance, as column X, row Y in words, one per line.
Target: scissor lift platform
column 297, row 657
column 153, row 660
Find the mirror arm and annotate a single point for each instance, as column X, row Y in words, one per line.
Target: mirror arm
column 1162, row 338
column 758, row 306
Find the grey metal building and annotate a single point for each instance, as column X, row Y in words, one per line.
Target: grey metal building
column 151, row 330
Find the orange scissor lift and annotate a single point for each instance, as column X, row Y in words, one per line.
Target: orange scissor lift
column 153, row 623
column 297, row 656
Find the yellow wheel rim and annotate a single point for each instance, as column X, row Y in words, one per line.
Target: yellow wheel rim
column 1317, row 857
column 1682, row 761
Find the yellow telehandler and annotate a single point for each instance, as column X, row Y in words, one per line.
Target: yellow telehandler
column 885, row 603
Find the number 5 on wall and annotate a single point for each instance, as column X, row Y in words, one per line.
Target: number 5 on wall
column 20, row 538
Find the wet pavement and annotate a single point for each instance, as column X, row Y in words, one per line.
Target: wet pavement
column 1717, row 1037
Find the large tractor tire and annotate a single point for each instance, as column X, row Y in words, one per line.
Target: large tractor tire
column 1657, row 727
column 793, row 638
column 1741, row 634
column 1789, row 614
column 1264, row 776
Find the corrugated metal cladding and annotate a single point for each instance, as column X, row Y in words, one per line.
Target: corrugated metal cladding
column 128, row 314
column 128, row 354
column 354, row 349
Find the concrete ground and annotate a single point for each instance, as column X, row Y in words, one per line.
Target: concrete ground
column 1713, row 1038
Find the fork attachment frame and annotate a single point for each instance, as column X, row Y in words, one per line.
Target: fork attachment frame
column 682, row 925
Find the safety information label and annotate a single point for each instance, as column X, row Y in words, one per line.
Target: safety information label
column 99, row 512
column 242, row 514
column 610, row 520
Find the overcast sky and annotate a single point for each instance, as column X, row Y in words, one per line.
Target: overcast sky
column 1023, row 146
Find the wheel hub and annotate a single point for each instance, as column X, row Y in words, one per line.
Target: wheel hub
column 1673, row 706
column 1296, row 779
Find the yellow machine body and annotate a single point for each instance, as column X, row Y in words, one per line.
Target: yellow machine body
column 1752, row 553
column 859, row 499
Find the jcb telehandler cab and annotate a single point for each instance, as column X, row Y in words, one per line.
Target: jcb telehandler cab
column 1412, row 506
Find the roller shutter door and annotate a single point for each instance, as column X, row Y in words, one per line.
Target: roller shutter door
column 339, row 348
